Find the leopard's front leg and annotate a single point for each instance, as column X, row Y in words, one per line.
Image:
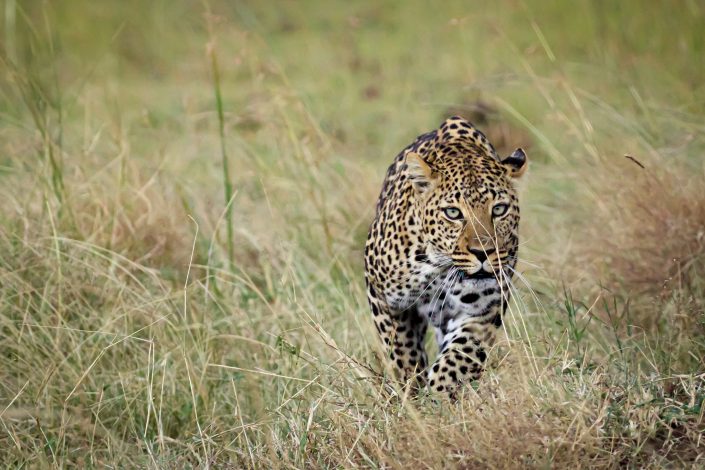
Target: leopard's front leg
column 402, row 333
column 463, row 345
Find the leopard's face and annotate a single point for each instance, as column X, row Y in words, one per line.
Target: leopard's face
column 469, row 211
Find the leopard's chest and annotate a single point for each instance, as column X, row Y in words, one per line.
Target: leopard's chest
column 448, row 298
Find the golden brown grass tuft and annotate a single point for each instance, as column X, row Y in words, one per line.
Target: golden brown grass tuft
column 652, row 225
column 644, row 238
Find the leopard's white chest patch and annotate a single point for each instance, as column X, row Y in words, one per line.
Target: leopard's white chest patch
column 449, row 297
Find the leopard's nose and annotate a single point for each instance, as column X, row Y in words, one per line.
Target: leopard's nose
column 481, row 255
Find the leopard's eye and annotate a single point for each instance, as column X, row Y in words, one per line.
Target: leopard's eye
column 453, row 213
column 499, row 210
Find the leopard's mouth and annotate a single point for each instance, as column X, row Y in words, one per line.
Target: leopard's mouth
column 481, row 274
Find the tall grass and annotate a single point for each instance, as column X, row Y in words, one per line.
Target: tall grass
column 36, row 83
column 137, row 331
column 227, row 183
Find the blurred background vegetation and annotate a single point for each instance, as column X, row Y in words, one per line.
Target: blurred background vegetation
column 185, row 190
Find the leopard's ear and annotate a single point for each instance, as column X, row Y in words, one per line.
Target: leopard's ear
column 516, row 163
column 420, row 173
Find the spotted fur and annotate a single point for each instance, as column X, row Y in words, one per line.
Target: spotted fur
column 424, row 265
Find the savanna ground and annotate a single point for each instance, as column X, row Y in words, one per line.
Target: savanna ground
column 185, row 190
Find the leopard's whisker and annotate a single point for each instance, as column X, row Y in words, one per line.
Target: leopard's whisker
column 412, row 304
column 454, row 275
column 441, row 289
column 531, row 290
column 528, row 263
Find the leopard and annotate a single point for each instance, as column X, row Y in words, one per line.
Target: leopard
column 441, row 251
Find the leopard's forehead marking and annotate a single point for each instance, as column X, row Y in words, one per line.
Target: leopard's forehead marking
column 457, row 130
column 473, row 174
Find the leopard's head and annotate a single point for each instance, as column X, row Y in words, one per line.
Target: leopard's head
column 467, row 201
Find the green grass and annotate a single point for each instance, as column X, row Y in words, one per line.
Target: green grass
column 181, row 237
